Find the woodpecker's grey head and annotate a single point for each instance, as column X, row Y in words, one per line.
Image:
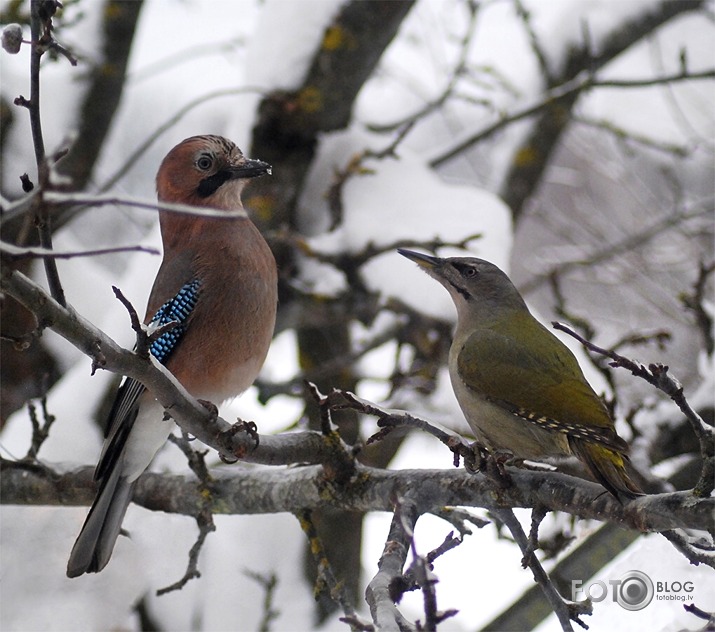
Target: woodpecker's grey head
column 477, row 287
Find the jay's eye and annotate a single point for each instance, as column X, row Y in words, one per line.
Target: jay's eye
column 469, row 272
column 204, row 162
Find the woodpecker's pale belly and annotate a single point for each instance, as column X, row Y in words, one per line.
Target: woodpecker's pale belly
column 499, row 429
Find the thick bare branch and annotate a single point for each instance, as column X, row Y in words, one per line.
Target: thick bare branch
column 249, row 491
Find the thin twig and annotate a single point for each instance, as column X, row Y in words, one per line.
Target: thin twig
column 326, row 369
column 346, row 261
column 538, row 513
column 688, row 548
column 40, row 28
column 623, row 134
column 206, row 525
column 695, row 303
column 390, row 419
column 40, row 429
column 60, row 199
column 581, row 82
column 459, row 518
column 334, row 194
column 189, row 54
column 14, row 208
column 417, row 574
column 421, row 574
column 457, row 73
column 144, row 337
column 195, row 458
column 538, row 50
column 626, row 245
column 682, row 75
column 204, row 517
column 132, row 159
column 268, row 583
column 340, row 468
column 17, row 253
column 72, row 199
column 326, row 580
column 326, row 424
column 565, row 612
column 701, row 614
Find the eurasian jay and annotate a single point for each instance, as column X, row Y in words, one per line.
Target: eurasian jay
column 218, row 280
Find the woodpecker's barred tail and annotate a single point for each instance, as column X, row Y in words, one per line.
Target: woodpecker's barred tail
column 607, row 467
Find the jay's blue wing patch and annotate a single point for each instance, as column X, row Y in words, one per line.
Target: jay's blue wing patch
column 124, row 410
column 175, row 310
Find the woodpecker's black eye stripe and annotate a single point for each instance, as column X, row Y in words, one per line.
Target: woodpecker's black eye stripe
column 466, row 270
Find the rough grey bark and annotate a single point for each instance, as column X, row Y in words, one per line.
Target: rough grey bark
column 286, row 135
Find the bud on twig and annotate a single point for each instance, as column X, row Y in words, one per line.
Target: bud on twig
column 12, row 38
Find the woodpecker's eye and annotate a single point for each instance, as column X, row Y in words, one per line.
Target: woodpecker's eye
column 204, row 162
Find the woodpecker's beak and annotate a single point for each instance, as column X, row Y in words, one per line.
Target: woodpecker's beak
column 249, row 168
column 423, row 261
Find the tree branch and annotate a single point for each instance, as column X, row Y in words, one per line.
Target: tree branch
column 41, row 29
column 17, row 253
column 291, row 490
column 309, row 447
column 384, row 588
column 561, row 608
column 533, row 157
column 194, row 418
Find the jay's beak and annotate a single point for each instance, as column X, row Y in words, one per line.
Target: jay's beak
column 249, row 168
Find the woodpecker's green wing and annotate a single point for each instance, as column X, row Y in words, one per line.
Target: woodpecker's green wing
column 538, row 379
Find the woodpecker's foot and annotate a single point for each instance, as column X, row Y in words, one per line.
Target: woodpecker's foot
column 495, row 467
column 507, row 458
column 474, row 456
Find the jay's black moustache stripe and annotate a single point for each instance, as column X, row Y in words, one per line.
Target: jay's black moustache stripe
column 208, row 186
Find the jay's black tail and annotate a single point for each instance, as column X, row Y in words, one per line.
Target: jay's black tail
column 95, row 543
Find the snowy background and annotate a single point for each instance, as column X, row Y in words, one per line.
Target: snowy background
column 269, row 45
